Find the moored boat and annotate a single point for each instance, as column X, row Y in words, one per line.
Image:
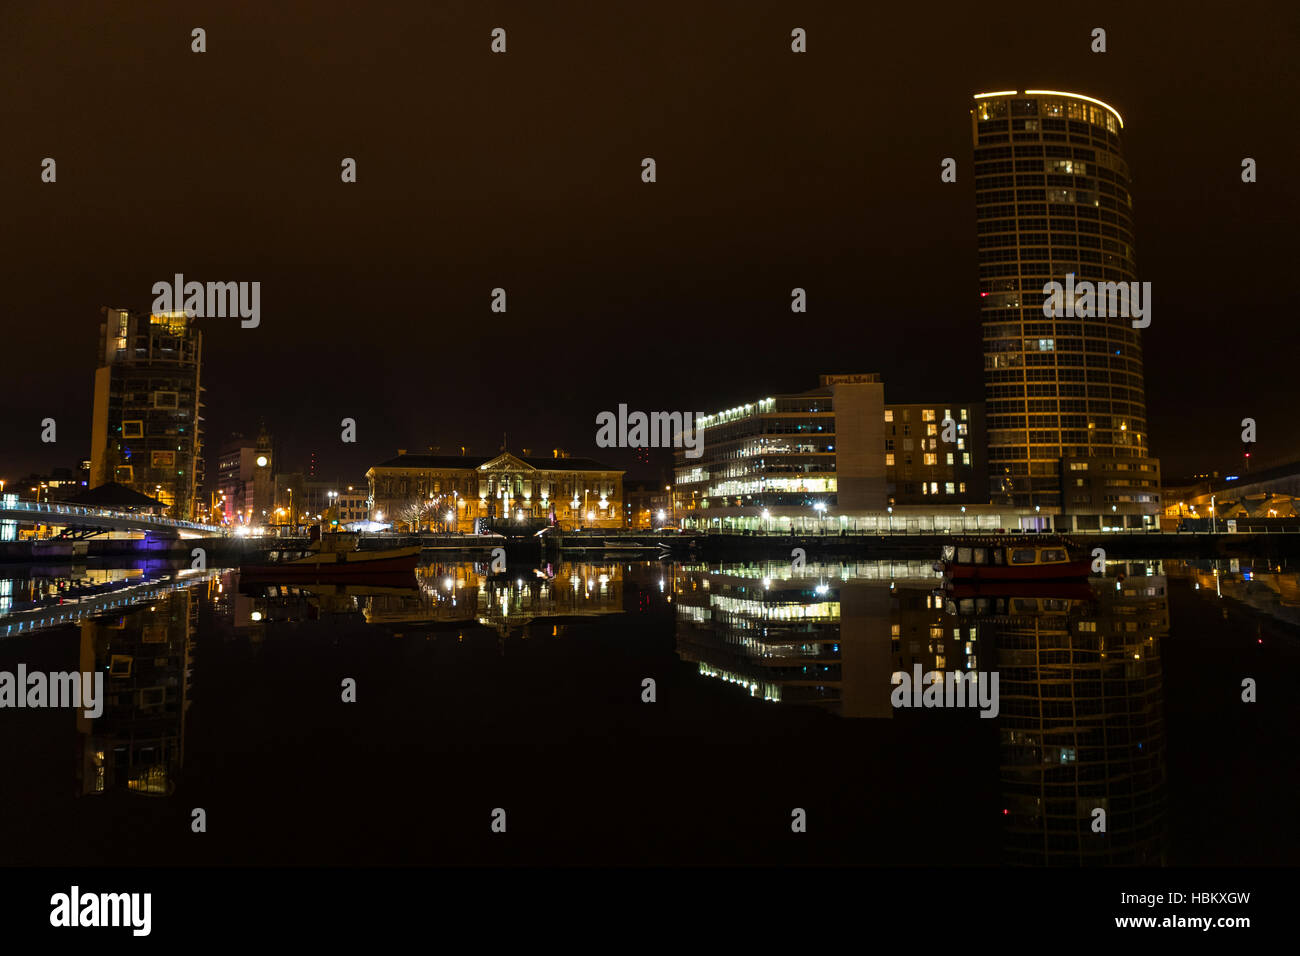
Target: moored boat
column 336, row 557
column 1012, row 561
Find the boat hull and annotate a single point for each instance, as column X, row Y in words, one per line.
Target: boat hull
column 1065, row 571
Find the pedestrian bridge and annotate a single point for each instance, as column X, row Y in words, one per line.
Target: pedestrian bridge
column 78, row 520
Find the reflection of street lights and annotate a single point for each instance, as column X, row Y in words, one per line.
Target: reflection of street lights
column 890, row 509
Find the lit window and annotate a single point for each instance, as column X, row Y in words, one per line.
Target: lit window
column 950, row 461
column 930, row 459
column 949, row 488
column 889, row 414
column 927, row 414
column 934, row 487
column 889, row 460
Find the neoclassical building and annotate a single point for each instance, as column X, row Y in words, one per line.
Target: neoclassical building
column 448, row 492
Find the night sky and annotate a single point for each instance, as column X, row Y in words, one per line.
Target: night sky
column 522, row 170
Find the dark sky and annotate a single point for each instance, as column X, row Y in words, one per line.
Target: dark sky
column 476, row 170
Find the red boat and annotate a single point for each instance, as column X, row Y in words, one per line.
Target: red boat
column 1005, row 561
column 336, row 558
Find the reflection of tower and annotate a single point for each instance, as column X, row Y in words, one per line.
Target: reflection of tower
column 137, row 744
column 1082, row 725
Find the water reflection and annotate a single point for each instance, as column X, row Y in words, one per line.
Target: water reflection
column 1082, row 691
column 138, row 743
column 444, row 594
column 1081, row 683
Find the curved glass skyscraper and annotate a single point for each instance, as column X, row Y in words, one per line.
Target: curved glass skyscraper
column 1065, row 401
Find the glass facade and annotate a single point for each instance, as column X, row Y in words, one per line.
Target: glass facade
column 1052, row 198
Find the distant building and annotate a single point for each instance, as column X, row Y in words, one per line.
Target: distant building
column 350, row 502
column 450, row 492
column 648, row 504
column 146, row 432
column 245, row 479
column 59, row 485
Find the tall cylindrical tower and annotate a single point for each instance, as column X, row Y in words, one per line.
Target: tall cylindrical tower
column 1052, row 198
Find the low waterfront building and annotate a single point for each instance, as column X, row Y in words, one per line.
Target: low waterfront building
column 454, row 492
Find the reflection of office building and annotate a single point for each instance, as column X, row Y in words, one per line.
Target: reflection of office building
column 1065, row 395
column 1082, row 723
column 789, row 637
column 137, row 744
column 450, row 492
column 147, row 428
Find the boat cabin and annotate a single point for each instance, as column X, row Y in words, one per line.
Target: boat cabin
column 1000, row 556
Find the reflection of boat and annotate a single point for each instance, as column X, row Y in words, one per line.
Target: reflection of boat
column 335, row 558
column 1005, row 561
column 400, row 584
column 1075, row 590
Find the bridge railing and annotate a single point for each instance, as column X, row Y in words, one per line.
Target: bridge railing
column 78, row 511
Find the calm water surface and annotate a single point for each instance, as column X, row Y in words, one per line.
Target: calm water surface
column 524, row 691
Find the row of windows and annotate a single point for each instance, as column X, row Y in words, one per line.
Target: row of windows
column 928, row 415
column 1101, row 140
column 929, row 459
column 1022, row 300
column 1050, row 109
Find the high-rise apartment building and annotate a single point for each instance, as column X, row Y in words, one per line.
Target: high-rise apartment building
column 147, row 428
column 1064, row 394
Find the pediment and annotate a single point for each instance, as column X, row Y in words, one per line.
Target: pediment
column 506, row 462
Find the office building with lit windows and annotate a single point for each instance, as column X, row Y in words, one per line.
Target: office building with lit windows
column 146, row 432
column 1065, row 400
column 921, row 467
column 839, row 458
